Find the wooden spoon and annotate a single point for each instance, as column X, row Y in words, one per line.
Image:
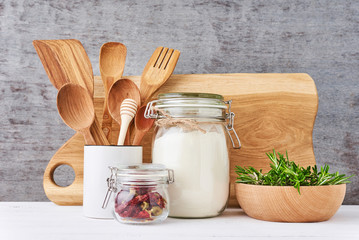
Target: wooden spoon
column 119, row 91
column 158, row 69
column 112, row 64
column 142, row 125
column 76, row 109
column 85, row 76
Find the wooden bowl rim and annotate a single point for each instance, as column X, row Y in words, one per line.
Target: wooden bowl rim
column 259, row 195
column 286, row 187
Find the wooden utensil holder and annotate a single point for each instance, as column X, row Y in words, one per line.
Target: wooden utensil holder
column 273, row 111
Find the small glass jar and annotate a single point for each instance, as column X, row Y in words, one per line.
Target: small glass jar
column 190, row 138
column 141, row 194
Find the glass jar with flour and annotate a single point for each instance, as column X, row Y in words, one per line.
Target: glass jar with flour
column 190, row 138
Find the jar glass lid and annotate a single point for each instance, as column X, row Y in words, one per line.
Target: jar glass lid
column 144, row 172
column 188, row 99
column 190, row 95
column 190, row 105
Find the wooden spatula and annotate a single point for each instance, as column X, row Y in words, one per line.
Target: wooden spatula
column 66, row 58
column 158, row 69
column 52, row 66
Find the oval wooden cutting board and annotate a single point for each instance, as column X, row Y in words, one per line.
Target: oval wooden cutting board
column 273, row 111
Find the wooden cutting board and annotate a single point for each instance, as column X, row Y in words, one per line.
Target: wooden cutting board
column 273, row 111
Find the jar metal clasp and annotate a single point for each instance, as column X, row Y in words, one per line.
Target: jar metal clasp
column 171, row 178
column 229, row 127
column 150, row 112
column 111, row 184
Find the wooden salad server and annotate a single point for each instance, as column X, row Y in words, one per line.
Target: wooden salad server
column 112, row 64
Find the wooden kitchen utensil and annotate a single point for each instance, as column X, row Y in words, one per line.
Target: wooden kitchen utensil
column 76, row 109
column 157, row 70
column 52, row 66
column 112, row 64
column 257, row 100
column 84, row 63
column 142, row 125
column 72, row 62
column 66, row 61
column 119, row 91
column 128, row 112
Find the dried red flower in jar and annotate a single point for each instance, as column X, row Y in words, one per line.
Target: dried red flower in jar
column 141, row 192
column 139, row 203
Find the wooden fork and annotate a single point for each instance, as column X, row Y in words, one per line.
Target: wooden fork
column 158, row 69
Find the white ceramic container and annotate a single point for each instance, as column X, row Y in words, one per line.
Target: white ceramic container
column 97, row 160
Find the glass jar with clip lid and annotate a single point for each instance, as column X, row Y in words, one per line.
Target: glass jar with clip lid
column 190, row 138
column 140, row 191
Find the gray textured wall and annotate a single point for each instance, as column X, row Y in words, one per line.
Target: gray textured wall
column 317, row 37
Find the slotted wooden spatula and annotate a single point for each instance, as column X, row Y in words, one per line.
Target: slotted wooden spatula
column 158, row 69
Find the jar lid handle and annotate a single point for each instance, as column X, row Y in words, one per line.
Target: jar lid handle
column 230, row 126
column 111, row 184
column 150, row 112
column 171, row 178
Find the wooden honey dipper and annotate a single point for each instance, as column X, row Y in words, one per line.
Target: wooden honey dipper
column 128, row 112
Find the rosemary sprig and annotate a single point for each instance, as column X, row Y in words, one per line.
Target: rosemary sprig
column 286, row 173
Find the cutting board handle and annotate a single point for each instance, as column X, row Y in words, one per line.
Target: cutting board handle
column 66, row 155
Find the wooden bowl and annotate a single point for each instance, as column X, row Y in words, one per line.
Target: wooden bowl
column 284, row 204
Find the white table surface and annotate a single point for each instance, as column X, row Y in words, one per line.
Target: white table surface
column 45, row 220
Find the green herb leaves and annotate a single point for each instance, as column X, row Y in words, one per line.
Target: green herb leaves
column 286, row 173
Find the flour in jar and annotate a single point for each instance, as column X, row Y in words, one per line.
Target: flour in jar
column 201, row 168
